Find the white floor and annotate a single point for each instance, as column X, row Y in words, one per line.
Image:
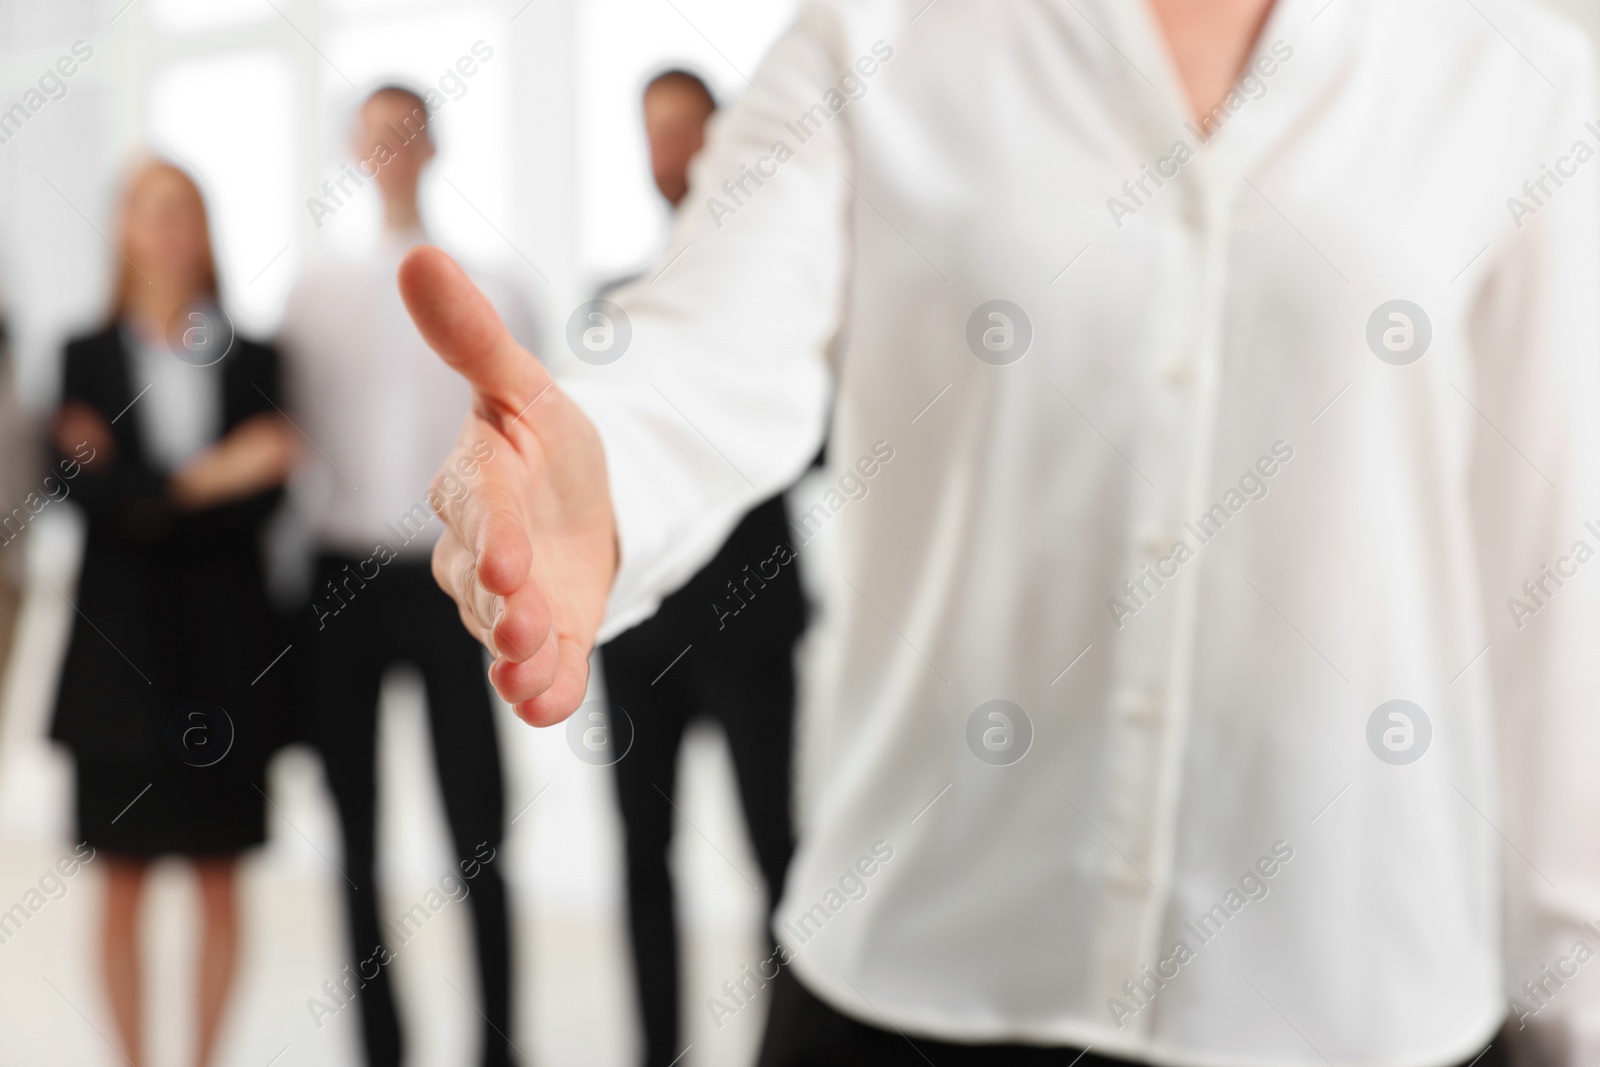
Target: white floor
column 574, row 1003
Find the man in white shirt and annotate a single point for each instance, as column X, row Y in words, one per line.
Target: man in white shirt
column 377, row 409
column 1209, row 677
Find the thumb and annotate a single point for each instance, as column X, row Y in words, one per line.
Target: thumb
column 460, row 324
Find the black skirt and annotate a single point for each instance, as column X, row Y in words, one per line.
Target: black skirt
column 163, row 700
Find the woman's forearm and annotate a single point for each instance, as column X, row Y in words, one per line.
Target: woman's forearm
column 256, row 455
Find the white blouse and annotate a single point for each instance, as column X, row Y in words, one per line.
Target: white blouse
column 1213, row 656
column 181, row 414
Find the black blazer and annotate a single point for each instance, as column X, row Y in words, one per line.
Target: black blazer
column 172, row 606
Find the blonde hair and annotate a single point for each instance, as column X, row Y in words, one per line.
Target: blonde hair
column 127, row 272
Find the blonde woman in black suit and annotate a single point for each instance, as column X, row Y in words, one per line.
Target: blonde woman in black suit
column 183, row 456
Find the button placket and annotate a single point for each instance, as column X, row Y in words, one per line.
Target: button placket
column 1209, row 219
column 1137, row 748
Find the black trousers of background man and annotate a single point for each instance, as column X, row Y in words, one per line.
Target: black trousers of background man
column 401, row 616
column 739, row 619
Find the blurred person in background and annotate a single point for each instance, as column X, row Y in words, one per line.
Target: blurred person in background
column 1209, row 680
column 676, row 107
column 18, row 474
column 735, row 667
column 380, row 409
column 169, row 435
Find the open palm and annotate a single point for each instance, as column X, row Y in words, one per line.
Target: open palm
column 529, row 550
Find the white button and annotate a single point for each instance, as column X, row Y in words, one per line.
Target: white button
column 1178, row 375
column 1153, row 545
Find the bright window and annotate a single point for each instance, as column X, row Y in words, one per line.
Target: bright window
column 228, row 118
column 622, row 221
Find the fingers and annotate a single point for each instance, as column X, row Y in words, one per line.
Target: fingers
column 523, row 626
column 542, row 675
column 514, row 626
column 565, row 693
column 460, row 324
column 77, row 424
column 518, row 628
column 488, row 520
column 492, row 525
column 528, row 676
column 454, row 570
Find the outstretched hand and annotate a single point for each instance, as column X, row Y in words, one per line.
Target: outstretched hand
column 529, row 549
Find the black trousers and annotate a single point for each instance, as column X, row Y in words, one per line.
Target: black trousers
column 802, row 1031
column 400, row 615
column 739, row 671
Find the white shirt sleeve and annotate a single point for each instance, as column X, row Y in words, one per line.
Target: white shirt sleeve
column 1536, row 339
column 720, row 399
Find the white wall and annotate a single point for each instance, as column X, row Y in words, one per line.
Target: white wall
column 542, row 169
